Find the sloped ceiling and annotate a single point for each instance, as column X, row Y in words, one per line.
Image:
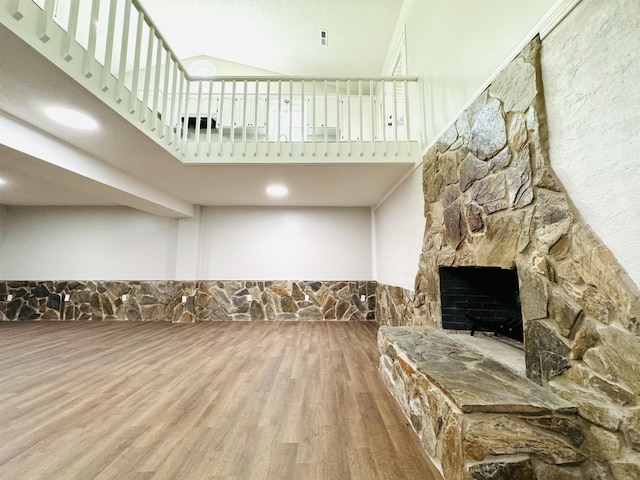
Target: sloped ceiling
column 282, row 35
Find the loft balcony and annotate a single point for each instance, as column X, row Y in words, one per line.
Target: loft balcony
column 113, row 49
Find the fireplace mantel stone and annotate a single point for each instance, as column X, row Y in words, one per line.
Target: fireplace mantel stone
column 474, row 415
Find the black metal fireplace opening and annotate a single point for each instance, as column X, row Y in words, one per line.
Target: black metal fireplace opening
column 481, row 299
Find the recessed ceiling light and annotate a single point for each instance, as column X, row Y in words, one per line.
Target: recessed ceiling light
column 2, row 181
column 277, row 190
column 71, row 118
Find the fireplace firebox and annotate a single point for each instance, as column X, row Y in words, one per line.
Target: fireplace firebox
column 481, row 299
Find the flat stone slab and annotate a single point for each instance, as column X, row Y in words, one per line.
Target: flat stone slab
column 473, row 382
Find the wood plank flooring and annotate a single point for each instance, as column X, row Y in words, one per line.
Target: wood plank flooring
column 233, row 401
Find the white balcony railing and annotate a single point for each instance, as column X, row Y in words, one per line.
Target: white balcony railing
column 116, row 50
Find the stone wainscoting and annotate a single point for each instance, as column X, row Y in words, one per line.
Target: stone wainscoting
column 203, row 300
column 492, row 199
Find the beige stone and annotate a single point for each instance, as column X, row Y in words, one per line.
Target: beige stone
column 631, row 428
column 617, row 357
column 516, row 131
column 626, row 469
column 498, row 246
column 553, row 218
column 564, row 310
column 501, row 435
column 586, row 336
column 535, row 296
column 519, row 180
column 601, row 445
column 593, row 406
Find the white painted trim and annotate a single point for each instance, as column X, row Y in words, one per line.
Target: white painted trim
column 558, row 11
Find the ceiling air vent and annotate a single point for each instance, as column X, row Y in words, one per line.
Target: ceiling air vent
column 324, row 38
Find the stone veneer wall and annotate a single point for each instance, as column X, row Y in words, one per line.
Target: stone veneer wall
column 492, row 199
column 210, row 300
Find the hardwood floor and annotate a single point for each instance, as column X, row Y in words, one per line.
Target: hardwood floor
column 234, row 401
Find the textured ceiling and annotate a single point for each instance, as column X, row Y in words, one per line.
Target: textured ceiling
column 282, row 35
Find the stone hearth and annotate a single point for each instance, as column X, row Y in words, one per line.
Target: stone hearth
column 476, row 418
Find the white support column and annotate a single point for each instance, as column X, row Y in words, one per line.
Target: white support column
column 188, row 246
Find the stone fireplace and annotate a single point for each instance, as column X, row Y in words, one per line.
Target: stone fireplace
column 492, row 199
column 481, row 299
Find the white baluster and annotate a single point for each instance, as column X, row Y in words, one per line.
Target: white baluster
column 136, row 65
column 124, row 49
column 147, row 76
column 44, row 20
column 90, row 55
column 164, row 114
column 156, row 85
column 72, row 28
column 108, row 58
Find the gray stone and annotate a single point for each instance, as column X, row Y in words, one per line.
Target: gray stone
column 568, row 427
column 447, row 139
column 471, row 170
column 312, row 313
column 341, row 308
column 488, row 131
column 546, row 354
column 519, row 180
column 451, row 194
column 473, row 216
column 474, row 383
column 553, row 472
column 490, row 193
column 501, row 470
column 256, row 311
column 516, row 86
column 455, row 228
column 27, row 312
column 501, row 160
column 553, row 218
column 54, row 301
column 462, row 125
column 288, row 304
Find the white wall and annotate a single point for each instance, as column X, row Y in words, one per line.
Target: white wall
column 219, row 243
column 263, row 243
column 455, row 47
column 3, row 229
column 399, row 228
column 591, row 67
column 87, row 243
